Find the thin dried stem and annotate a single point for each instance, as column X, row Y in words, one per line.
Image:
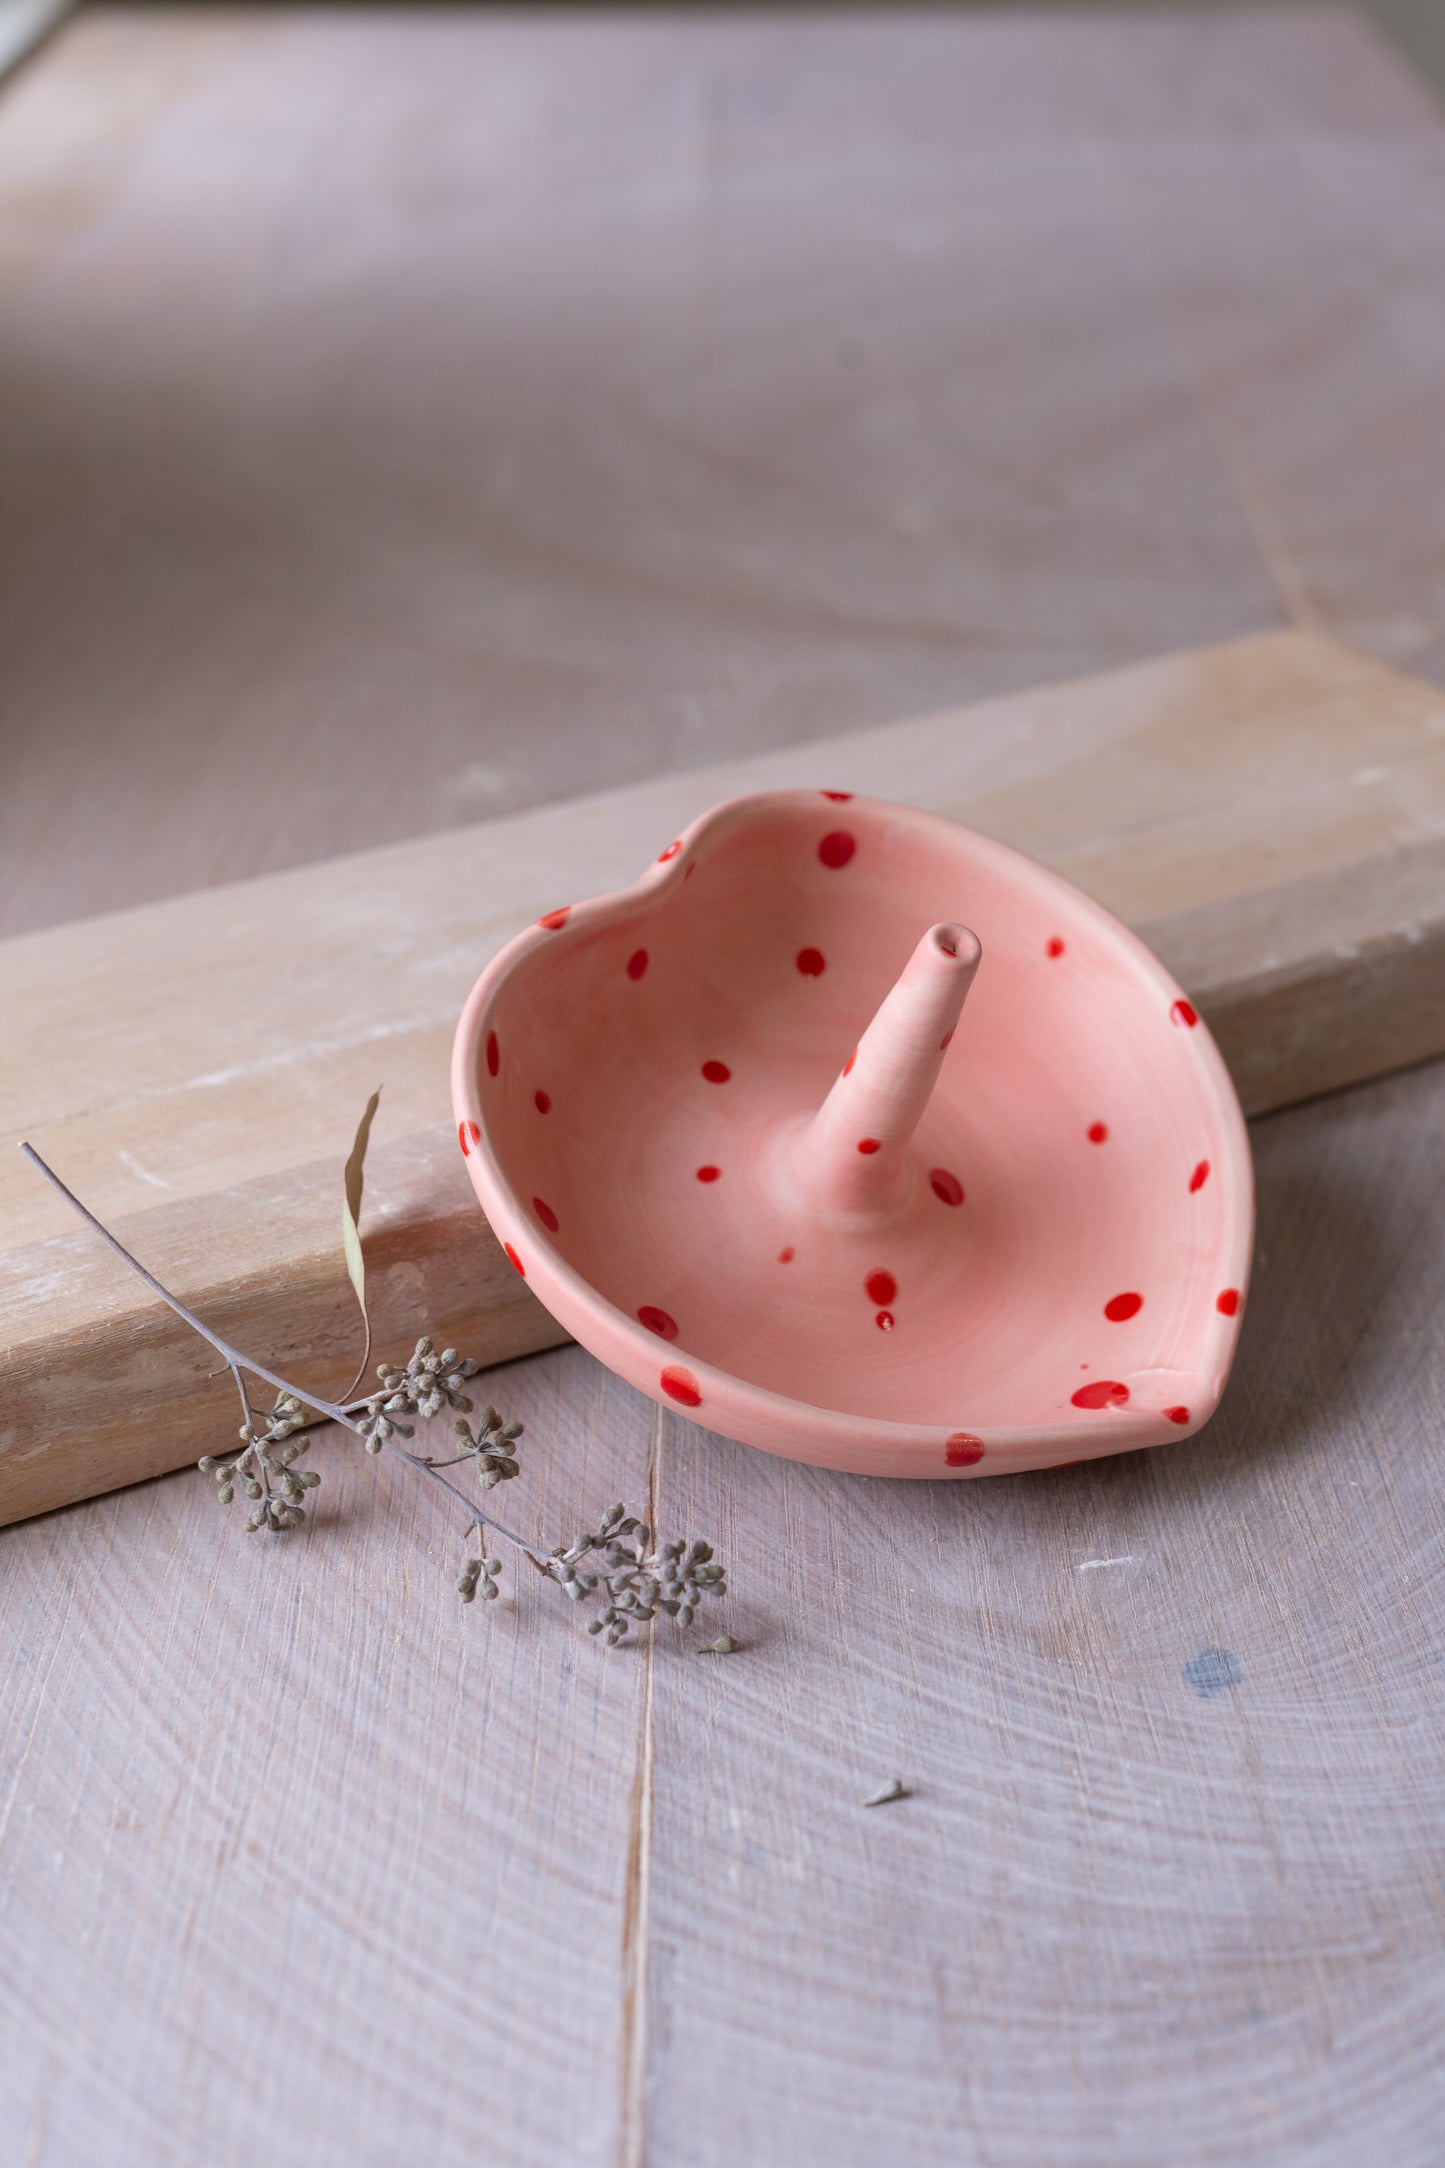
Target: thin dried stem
column 233, row 1355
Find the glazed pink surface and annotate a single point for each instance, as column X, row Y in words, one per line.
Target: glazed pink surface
column 715, row 1122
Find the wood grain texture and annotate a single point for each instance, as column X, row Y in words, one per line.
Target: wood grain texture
column 499, row 1898
column 405, row 416
column 727, row 383
column 1125, row 1918
column 1270, row 814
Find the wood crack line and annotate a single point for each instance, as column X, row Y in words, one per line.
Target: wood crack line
column 632, row 2134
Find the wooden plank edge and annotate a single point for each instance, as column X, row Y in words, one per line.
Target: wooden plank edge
column 1319, row 983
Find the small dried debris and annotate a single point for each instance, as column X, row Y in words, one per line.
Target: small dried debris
column 723, row 1646
column 895, row 1788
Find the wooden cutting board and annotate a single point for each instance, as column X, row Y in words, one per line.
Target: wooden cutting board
column 1269, row 814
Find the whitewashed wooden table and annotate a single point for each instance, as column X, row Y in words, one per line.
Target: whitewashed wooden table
column 299, row 1863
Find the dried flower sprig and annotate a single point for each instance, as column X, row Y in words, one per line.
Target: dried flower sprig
column 254, row 1467
column 492, row 1447
column 636, row 1582
column 631, row 1582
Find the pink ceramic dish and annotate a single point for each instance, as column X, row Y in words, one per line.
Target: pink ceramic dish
column 723, row 1124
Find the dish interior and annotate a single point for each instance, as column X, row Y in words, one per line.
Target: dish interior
column 1066, row 1211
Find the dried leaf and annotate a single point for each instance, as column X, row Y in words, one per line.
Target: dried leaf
column 351, row 1229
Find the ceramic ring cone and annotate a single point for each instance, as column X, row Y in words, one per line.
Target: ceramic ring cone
column 850, row 1161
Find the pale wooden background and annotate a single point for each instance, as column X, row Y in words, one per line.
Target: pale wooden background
column 602, row 395
column 406, row 418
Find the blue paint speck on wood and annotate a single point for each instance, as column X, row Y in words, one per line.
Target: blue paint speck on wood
column 1211, row 1671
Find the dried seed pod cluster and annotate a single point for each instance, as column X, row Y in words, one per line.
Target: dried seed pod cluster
column 270, row 1477
column 478, row 1577
column 426, row 1385
column 636, row 1583
column 491, row 1446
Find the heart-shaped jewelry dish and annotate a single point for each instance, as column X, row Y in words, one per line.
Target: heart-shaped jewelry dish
column 873, row 1245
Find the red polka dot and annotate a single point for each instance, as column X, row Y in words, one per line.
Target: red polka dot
column 836, row 849
column 637, row 963
column 848, row 1064
column 868, row 1145
column 545, row 1214
column 671, row 852
column 1101, row 1393
column 1228, row 1302
column 658, row 1321
column 554, row 921
column 946, row 1041
column 882, row 1288
column 716, row 1072
column 884, row 1321
column 467, row 1135
column 810, row 963
column 839, row 797
column 1176, row 1415
column 494, row 1057
column 1184, row 1012
column 1120, row 1307
column 708, row 1174
column 946, row 1187
column 786, row 1256
column 1053, row 946
column 681, row 1385
column 542, row 1103
column 963, row 1450
column 1098, row 1133
column 1199, row 1177
column 515, row 1259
